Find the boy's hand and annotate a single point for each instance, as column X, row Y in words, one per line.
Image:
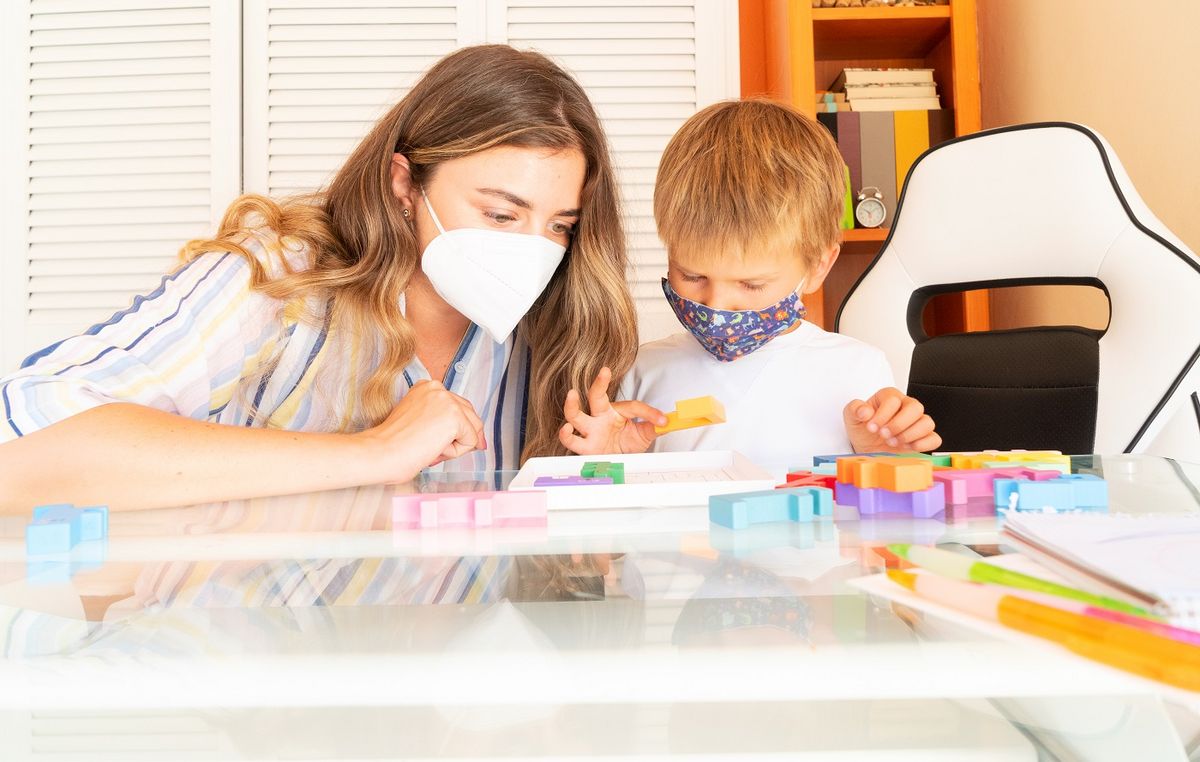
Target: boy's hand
column 890, row 421
column 611, row 427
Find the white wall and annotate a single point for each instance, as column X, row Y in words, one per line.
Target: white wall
column 1131, row 71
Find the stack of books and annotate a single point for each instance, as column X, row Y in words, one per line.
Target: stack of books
column 880, row 146
column 888, row 89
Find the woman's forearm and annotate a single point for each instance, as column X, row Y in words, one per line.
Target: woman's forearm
column 128, row 456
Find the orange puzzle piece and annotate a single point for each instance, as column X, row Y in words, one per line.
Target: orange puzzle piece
column 689, row 414
column 850, row 471
column 891, row 474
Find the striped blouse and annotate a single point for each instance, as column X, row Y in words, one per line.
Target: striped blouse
column 207, row 346
column 160, row 613
column 303, row 587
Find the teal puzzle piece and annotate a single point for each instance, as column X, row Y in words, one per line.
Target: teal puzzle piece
column 742, row 509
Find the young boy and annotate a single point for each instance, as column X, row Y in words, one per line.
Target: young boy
column 748, row 199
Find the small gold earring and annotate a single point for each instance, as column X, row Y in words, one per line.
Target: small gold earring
column 406, row 214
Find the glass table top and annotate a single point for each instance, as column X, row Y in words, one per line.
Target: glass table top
column 306, row 627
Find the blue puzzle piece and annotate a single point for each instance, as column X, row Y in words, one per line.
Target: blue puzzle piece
column 1090, row 490
column 740, row 510
column 1068, row 492
column 819, row 459
column 93, row 520
column 59, row 528
column 43, row 537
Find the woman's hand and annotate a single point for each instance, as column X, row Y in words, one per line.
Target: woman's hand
column 431, row 424
column 890, row 421
column 611, row 427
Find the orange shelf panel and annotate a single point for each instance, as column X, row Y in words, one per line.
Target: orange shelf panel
column 881, row 12
column 865, row 235
column 878, row 33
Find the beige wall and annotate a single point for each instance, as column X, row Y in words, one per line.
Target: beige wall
column 1131, row 71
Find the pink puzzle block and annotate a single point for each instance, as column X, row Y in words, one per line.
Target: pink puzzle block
column 961, row 486
column 432, row 510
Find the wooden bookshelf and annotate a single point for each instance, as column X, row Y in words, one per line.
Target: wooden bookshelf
column 864, row 235
column 790, row 50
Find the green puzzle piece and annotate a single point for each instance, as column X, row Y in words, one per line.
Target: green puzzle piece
column 937, row 460
column 593, row 469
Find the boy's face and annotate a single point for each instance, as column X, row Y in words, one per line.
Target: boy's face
column 728, row 283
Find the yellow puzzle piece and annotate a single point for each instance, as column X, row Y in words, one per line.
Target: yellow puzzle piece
column 690, row 414
column 1034, row 458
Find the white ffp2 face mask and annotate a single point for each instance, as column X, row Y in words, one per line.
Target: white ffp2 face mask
column 490, row 276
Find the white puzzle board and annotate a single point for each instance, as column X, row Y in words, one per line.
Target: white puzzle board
column 651, row 479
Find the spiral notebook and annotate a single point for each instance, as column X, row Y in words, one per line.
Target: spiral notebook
column 1151, row 561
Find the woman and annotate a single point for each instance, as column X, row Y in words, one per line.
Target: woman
column 463, row 271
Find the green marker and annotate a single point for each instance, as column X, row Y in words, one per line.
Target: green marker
column 958, row 567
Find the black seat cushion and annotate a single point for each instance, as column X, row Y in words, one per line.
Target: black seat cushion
column 1029, row 388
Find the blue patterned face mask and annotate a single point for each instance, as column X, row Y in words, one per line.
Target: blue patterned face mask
column 730, row 334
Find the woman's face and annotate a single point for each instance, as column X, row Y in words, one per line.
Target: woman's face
column 534, row 191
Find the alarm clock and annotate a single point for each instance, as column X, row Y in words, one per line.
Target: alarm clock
column 870, row 211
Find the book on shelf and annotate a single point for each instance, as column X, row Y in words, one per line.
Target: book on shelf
column 856, row 92
column 895, row 104
column 879, row 147
column 858, row 76
column 828, row 102
column 877, row 142
column 911, row 130
column 849, row 140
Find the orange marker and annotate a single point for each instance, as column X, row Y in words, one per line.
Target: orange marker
column 1112, row 643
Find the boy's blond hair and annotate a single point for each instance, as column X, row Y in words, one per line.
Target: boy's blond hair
column 745, row 177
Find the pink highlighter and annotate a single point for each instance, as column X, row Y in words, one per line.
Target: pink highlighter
column 1078, row 607
column 1158, row 628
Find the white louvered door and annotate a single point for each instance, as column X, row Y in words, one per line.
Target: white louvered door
column 318, row 73
column 131, row 124
column 647, row 67
column 123, row 143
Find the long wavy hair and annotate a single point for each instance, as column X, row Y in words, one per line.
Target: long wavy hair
column 363, row 252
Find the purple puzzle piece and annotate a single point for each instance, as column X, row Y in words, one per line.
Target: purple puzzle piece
column 571, row 481
column 922, row 504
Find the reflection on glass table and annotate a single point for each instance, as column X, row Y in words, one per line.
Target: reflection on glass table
column 307, row 627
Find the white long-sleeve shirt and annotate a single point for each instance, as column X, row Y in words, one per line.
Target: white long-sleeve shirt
column 783, row 402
